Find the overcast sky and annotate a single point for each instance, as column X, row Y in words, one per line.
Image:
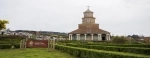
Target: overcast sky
column 119, row 17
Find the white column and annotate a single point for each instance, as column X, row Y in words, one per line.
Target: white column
column 99, row 37
column 71, row 36
column 76, row 36
column 79, row 36
column 92, row 36
column 108, row 37
column 85, row 36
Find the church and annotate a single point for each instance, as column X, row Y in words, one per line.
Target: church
column 89, row 30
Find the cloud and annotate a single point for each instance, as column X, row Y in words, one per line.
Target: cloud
column 116, row 16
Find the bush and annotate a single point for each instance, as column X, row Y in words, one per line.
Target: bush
column 5, row 46
column 115, row 48
column 119, row 40
column 10, row 39
column 5, row 37
column 8, row 46
column 91, row 53
column 133, row 45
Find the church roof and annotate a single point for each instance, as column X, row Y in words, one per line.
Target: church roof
column 91, row 31
column 88, row 10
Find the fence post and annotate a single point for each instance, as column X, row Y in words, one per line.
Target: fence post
column 53, row 44
column 48, row 45
column 26, row 43
column 21, row 44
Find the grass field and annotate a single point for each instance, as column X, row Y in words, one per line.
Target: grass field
column 32, row 53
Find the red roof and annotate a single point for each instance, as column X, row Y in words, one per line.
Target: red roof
column 91, row 31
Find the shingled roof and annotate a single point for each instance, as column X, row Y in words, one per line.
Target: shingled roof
column 91, row 31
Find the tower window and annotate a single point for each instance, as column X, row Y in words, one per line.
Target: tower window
column 88, row 20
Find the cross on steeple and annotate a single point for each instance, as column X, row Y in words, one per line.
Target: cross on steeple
column 88, row 7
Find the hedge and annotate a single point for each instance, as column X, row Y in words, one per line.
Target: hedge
column 91, row 53
column 122, row 45
column 4, row 37
column 115, row 48
column 134, row 45
column 8, row 46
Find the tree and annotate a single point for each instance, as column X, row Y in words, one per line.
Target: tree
column 3, row 24
column 119, row 39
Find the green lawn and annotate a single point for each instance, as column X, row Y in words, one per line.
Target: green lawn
column 32, row 53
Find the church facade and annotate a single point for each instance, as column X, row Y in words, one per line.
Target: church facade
column 89, row 30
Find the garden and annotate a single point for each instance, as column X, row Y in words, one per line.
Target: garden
column 90, row 49
column 74, row 49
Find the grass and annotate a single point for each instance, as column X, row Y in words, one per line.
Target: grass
column 32, row 53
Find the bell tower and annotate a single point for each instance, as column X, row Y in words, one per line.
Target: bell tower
column 88, row 17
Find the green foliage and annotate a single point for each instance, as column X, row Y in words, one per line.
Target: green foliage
column 91, row 53
column 132, row 41
column 133, row 45
column 10, row 39
column 8, row 46
column 69, row 41
column 5, row 37
column 119, row 40
column 115, row 48
column 3, row 24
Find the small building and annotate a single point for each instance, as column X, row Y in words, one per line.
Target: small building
column 4, row 32
column 147, row 39
column 89, row 30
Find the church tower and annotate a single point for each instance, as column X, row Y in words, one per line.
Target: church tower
column 88, row 17
column 89, row 30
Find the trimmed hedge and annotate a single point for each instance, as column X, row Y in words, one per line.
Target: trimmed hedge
column 134, row 45
column 8, row 46
column 91, row 53
column 122, row 45
column 4, row 37
column 115, row 48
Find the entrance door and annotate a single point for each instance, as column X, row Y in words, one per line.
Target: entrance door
column 103, row 37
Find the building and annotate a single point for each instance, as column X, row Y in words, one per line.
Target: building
column 147, row 39
column 89, row 30
column 4, row 32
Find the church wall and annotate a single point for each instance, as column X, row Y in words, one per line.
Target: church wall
column 82, row 37
column 95, row 37
column 88, row 37
column 74, row 37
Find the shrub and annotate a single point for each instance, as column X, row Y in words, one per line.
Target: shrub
column 91, row 53
column 8, row 46
column 119, row 40
column 5, row 46
column 115, row 48
column 133, row 45
column 5, row 37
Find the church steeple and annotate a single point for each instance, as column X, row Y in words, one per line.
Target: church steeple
column 88, row 10
column 88, row 17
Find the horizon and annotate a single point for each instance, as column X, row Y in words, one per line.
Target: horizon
column 119, row 17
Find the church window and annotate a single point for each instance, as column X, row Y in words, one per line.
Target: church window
column 87, row 20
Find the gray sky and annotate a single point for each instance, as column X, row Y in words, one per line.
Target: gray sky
column 119, row 17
